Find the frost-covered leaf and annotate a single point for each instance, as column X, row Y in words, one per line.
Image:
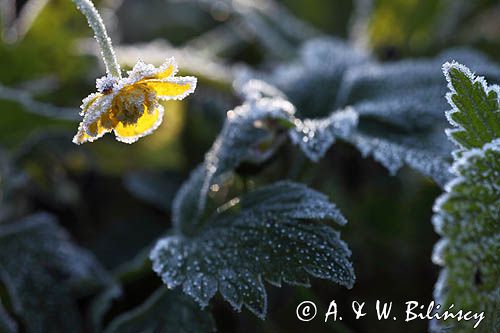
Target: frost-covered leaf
column 264, row 235
column 37, row 265
column 467, row 216
column 398, row 104
column 395, row 154
column 252, row 132
column 311, row 82
column 316, row 136
column 406, row 93
column 476, row 107
column 164, row 311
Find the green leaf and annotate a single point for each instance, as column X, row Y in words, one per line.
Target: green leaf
column 164, row 311
column 476, row 107
column 39, row 266
column 268, row 234
column 467, row 216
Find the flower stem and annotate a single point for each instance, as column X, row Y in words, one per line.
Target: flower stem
column 95, row 22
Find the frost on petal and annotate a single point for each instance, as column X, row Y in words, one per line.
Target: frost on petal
column 91, row 127
column 272, row 237
column 96, row 110
column 123, row 105
column 145, row 125
column 140, row 71
column 97, row 129
column 174, row 88
column 167, row 69
column 88, row 101
column 143, row 71
column 106, row 84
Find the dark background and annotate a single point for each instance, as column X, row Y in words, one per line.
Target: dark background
column 115, row 198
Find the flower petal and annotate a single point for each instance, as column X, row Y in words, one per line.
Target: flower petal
column 145, row 125
column 173, row 88
column 96, row 130
column 94, row 109
column 94, row 112
column 167, row 69
column 88, row 102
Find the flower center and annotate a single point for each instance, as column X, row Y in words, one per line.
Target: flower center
column 131, row 103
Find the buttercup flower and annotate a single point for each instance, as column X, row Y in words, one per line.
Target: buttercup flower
column 130, row 106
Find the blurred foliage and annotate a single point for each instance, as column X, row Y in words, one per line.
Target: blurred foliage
column 115, row 199
column 402, row 28
column 46, row 49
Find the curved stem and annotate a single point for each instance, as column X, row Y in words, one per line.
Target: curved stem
column 95, row 22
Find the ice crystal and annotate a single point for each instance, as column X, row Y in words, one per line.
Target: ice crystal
column 104, row 84
column 267, row 238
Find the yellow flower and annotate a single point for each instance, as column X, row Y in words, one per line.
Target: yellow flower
column 130, row 106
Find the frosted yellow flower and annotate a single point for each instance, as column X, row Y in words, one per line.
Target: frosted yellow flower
column 130, row 106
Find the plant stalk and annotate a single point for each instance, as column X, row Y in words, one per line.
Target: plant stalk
column 95, row 22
